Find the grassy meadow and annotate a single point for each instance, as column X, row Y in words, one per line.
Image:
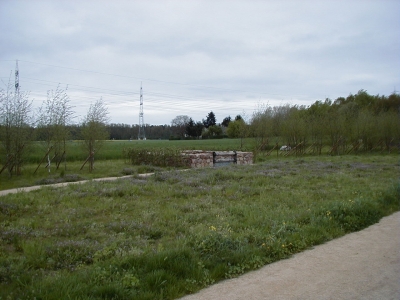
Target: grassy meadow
column 173, row 233
column 113, row 149
column 109, row 161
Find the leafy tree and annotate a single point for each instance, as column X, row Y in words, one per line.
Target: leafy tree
column 238, row 129
column 261, row 126
column 194, row 129
column 391, row 103
column 210, row 121
column 226, row 121
column 238, row 117
column 233, row 130
column 158, row 131
column 333, row 128
column 16, row 124
column 294, row 128
column 359, row 121
column 316, row 115
column 347, row 116
column 190, row 128
column 279, row 115
column 199, row 128
column 389, row 127
column 94, row 130
column 214, row 131
column 366, row 125
column 121, row 131
column 364, row 100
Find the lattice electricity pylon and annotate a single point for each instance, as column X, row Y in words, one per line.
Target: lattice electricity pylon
column 141, row 135
column 16, row 78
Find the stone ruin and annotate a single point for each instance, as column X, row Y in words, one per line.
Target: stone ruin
column 202, row 159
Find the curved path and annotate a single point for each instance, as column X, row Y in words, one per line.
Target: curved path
column 37, row 187
column 360, row 265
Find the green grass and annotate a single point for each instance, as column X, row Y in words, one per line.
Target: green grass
column 176, row 232
column 105, row 168
column 108, row 162
column 113, row 149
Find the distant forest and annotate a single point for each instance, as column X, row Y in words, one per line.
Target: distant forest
column 358, row 116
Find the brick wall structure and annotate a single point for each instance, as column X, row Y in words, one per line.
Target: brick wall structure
column 244, row 158
column 203, row 159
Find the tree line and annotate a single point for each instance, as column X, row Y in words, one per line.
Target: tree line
column 359, row 121
column 52, row 125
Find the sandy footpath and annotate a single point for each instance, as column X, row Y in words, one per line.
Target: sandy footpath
column 360, row 265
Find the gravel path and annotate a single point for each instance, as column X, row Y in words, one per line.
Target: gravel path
column 360, row 265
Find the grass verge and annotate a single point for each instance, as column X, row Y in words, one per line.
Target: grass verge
column 176, row 232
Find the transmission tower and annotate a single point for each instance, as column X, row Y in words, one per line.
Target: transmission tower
column 16, row 78
column 141, row 135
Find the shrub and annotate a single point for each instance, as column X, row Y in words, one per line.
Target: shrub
column 155, row 157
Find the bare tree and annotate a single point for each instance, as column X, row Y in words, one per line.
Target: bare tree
column 54, row 116
column 15, row 126
column 179, row 125
column 94, row 130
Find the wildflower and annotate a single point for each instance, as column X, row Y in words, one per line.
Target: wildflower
column 212, row 228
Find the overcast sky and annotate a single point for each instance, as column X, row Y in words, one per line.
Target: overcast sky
column 193, row 57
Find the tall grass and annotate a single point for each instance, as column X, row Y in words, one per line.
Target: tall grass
column 175, row 232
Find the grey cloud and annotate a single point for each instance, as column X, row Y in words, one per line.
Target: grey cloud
column 273, row 51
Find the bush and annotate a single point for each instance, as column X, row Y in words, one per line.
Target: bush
column 156, row 157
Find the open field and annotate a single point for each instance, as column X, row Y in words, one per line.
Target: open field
column 175, row 232
column 110, row 160
column 113, row 149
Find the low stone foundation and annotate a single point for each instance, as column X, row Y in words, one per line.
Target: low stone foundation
column 202, row 159
column 198, row 158
column 244, row 158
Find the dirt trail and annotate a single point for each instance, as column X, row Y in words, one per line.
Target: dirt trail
column 360, row 265
column 37, row 187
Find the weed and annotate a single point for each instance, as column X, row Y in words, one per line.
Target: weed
column 176, row 232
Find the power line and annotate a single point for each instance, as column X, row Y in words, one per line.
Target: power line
column 141, row 134
column 157, row 101
column 102, row 91
column 139, row 78
column 133, row 93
